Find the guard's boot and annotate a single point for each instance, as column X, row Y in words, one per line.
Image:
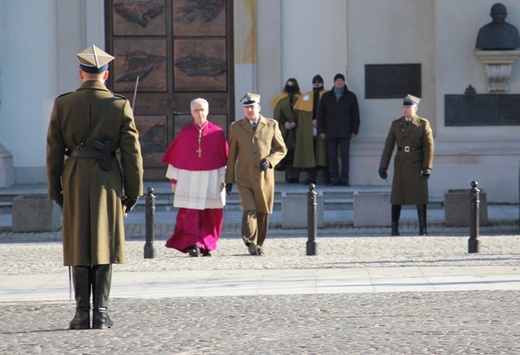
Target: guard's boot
column 101, row 290
column 421, row 213
column 396, row 214
column 82, row 283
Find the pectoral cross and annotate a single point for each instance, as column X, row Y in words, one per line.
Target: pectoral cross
column 200, row 129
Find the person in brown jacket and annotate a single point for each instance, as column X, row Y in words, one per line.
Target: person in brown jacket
column 92, row 187
column 413, row 162
column 257, row 143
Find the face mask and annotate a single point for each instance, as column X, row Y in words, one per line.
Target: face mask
column 290, row 89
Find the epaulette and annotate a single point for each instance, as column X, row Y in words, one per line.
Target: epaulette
column 120, row 96
column 67, row 93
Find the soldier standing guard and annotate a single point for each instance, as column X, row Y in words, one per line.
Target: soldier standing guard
column 93, row 189
column 412, row 164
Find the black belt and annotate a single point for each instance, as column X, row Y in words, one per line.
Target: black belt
column 88, row 154
column 408, row 149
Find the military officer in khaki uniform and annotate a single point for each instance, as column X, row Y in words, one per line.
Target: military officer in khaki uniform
column 413, row 162
column 91, row 186
column 257, row 143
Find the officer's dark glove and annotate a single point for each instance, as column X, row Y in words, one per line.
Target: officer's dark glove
column 382, row 173
column 129, row 203
column 426, row 173
column 229, row 187
column 264, row 165
column 59, row 201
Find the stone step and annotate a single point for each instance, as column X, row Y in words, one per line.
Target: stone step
column 335, row 198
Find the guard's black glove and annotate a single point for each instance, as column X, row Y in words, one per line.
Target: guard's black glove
column 59, row 201
column 264, row 165
column 426, row 173
column 129, row 203
column 229, row 187
column 382, row 173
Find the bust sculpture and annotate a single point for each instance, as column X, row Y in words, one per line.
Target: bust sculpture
column 498, row 34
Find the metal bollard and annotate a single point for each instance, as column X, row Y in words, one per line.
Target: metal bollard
column 474, row 218
column 149, row 247
column 312, row 220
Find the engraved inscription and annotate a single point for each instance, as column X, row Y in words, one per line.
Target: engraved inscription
column 509, row 110
column 392, row 81
column 482, row 110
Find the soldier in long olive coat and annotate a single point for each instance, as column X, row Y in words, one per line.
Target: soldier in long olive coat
column 287, row 118
column 92, row 188
column 310, row 152
column 256, row 142
column 412, row 164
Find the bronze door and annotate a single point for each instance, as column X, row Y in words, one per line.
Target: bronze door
column 175, row 51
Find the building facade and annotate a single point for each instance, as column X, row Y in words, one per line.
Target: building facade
column 431, row 42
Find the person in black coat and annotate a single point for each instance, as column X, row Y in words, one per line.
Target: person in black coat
column 338, row 122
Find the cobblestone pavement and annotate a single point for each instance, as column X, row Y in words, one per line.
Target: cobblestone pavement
column 391, row 323
column 287, row 252
column 468, row 322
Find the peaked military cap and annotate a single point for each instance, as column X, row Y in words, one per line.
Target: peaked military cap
column 250, row 99
column 410, row 101
column 94, row 60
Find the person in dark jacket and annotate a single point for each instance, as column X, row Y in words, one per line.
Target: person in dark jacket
column 413, row 162
column 338, row 123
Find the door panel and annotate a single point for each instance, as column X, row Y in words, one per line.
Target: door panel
column 175, row 50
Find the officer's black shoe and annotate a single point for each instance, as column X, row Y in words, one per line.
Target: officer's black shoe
column 343, row 183
column 81, row 320
column 194, row 250
column 332, row 182
column 101, row 320
column 253, row 249
column 395, row 228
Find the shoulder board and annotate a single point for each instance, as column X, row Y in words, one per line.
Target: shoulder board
column 67, row 93
column 117, row 96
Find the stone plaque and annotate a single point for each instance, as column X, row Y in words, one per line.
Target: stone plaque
column 509, row 110
column 392, row 81
column 482, row 110
column 470, row 110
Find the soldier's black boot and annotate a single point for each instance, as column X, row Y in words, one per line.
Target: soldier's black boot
column 396, row 214
column 82, row 282
column 421, row 213
column 101, row 290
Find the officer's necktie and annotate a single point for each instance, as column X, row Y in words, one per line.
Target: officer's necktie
column 253, row 125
